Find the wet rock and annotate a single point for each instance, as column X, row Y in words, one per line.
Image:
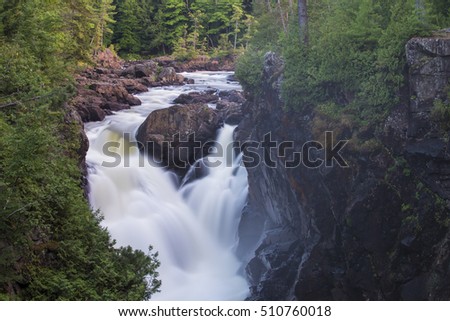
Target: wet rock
column 196, row 98
column 113, row 93
column 140, row 70
column 134, row 86
column 91, row 113
column 367, row 232
column 230, row 112
column 232, row 96
column 179, row 135
column 168, row 76
column 147, row 69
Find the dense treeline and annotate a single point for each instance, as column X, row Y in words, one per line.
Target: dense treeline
column 186, row 28
column 354, row 59
column 52, row 246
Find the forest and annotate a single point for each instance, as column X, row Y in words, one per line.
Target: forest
column 353, row 59
column 341, row 57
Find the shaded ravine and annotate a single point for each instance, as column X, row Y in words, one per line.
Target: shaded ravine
column 193, row 227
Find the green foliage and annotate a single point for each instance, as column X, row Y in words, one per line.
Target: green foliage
column 441, row 114
column 355, row 60
column 185, row 28
column 46, row 222
column 19, row 71
column 51, row 246
column 249, row 70
column 125, row 36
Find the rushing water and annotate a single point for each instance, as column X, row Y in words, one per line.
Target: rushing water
column 192, row 226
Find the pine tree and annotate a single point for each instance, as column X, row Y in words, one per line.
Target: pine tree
column 125, row 38
column 104, row 11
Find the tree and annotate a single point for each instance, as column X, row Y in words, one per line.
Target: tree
column 172, row 21
column 125, row 36
column 104, row 10
column 303, row 21
column 235, row 20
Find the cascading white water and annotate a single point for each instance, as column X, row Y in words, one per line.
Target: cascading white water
column 194, row 228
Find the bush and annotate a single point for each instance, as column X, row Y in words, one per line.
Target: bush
column 52, row 245
column 19, row 71
column 249, row 68
column 441, row 114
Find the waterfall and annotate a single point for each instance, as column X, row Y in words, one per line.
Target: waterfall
column 193, row 227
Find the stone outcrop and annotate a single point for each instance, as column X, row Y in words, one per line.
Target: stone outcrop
column 199, row 63
column 228, row 103
column 375, row 230
column 111, row 86
column 429, row 73
column 196, row 97
column 179, row 135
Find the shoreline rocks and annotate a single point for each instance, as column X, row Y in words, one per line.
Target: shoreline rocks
column 105, row 89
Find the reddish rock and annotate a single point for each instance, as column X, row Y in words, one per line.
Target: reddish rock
column 134, row 86
column 196, row 98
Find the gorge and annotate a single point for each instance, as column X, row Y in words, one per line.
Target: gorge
column 134, row 139
column 362, row 232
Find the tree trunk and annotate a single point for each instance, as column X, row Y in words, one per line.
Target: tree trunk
column 303, row 21
column 283, row 22
column 420, row 8
column 235, row 35
column 268, row 6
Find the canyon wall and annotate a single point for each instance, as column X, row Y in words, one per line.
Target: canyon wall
column 375, row 230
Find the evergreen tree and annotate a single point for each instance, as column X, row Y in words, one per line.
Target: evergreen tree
column 125, row 37
column 52, row 246
column 104, row 10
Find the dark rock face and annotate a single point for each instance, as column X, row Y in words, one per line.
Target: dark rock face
column 429, row 61
column 429, row 74
column 376, row 230
column 179, row 135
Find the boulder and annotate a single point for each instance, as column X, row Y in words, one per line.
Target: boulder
column 232, row 96
column 134, row 86
column 230, row 112
column 146, row 69
column 114, row 93
column 140, row 70
column 179, row 135
column 128, row 72
column 114, row 106
column 196, row 98
column 91, row 113
column 168, row 76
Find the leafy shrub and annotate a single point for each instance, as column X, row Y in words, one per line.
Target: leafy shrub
column 441, row 114
column 52, row 244
column 249, row 70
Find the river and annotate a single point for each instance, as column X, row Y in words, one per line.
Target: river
column 192, row 225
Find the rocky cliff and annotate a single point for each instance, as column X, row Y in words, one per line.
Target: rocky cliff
column 377, row 229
